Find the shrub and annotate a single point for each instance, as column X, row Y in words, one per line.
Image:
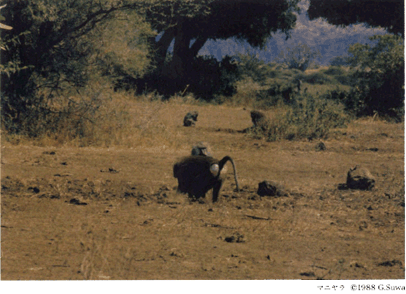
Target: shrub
column 316, row 78
column 205, row 79
column 380, row 77
column 345, row 79
column 249, row 65
column 277, row 93
column 89, row 117
column 308, row 117
column 334, row 71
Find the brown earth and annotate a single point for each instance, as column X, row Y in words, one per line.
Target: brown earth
column 114, row 213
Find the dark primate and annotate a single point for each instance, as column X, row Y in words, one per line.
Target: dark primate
column 287, row 95
column 259, row 119
column 198, row 174
column 201, row 148
column 298, row 83
column 190, row 118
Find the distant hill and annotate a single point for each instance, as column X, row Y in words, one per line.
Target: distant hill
column 329, row 40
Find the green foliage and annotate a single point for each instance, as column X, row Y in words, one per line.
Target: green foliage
column 278, row 93
column 298, row 57
column 380, row 77
column 316, row 78
column 207, row 78
column 386, row 14
column 339, row 61
column 307, row 118
column 334, row 71
column 189, row 24
column 89, row 117
column 251, row 66
column 58, row 47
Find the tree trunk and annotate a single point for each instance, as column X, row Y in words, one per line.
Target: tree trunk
column 163, row 45
column 181, row 55
column 197, row 45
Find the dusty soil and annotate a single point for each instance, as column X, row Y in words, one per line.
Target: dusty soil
column 114, row 213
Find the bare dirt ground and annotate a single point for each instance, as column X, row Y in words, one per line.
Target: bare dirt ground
column 114, row 213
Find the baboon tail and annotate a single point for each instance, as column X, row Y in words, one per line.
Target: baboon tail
column 223, row 162
column 175, row 170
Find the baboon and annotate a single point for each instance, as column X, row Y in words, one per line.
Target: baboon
column 259, row 119
column 286, row 95
column 190, row 118
column 360, row 178
column 201, row 148
column 198, row 174
column 298, row 83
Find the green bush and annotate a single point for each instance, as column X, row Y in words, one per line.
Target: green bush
column 279, row 92
column 249, row 65
column 379, row 77
column 316, row 78
column 206, row 78
column 345, row 79
column 334, row 71
column 306, row 118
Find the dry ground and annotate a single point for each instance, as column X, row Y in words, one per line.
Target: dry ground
column 113, row 213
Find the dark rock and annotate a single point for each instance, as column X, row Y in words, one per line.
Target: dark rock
column 77, row 202
column 34, row 189
column 235, row 238
column 390, row 263
column 269, row 188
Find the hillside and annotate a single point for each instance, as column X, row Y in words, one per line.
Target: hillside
column 329, row 40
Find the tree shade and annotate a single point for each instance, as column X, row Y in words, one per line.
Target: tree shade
column 388, row 14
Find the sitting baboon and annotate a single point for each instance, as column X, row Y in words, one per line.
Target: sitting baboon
column 190, row 118
column 198, row 174
column 259, row 119
column 201, row 148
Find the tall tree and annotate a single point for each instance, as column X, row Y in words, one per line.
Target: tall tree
column 388, row 14
column 50, row 47
column 191, row 23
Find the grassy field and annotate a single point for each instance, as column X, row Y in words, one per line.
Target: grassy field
column 112, row 212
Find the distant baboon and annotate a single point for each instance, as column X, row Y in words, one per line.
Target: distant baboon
column 190, row 118
column 298, row 83
column 201, row 148
column 198, row 174
column 287, row 94
column 259, row 119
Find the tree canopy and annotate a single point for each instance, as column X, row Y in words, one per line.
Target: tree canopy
column 251, row 20
column 388, row 14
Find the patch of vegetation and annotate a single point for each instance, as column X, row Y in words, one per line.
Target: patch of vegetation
column 316, row 78
column 380, row 77
column 307, row 118
column 300, row 57
column 334, row 71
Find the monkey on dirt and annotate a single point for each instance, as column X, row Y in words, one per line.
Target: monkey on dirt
column 190, row 119
column 198, row 174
